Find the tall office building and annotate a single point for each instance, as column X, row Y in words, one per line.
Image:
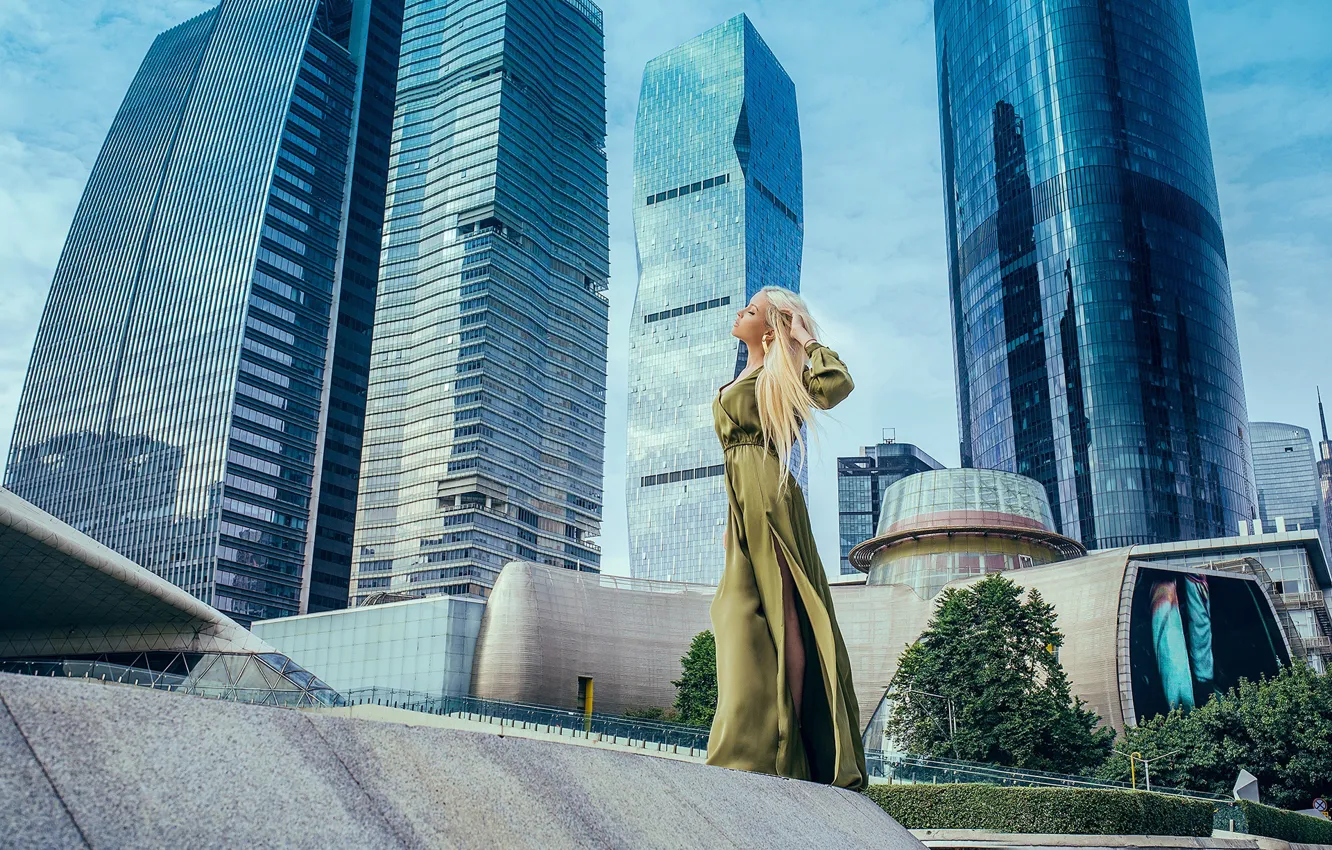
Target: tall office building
column 486, row 407
column 209, row 306
column 1286, row 473
column 861, row 482
column 1094, row 332
column 718, row 202
column 1325, row 478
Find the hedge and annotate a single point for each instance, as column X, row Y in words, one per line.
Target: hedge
column 1288, row 826
column 1080, row 811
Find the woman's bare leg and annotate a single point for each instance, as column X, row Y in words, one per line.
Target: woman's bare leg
column 795, row 644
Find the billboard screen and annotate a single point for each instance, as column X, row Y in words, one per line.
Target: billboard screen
column 1195, row 634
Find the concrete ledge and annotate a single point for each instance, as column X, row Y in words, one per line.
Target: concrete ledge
column 87, row 764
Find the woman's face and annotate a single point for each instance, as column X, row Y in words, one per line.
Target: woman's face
column 750, row 323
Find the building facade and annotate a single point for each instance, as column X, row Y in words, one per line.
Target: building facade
column 1325, row 478
column 423, row 646
column 180, row 386
column 718, row 200
column 1286, row 474
column 861, row 482
column 1094, row 330
column 486, row 404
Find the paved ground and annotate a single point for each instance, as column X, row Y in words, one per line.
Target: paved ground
column 86, row 764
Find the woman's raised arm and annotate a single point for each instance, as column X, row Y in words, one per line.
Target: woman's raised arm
column 827, row 378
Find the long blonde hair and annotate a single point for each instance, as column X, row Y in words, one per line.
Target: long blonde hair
column 784, row 404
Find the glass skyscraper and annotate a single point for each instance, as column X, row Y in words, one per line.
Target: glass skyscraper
column 861, row 482
column 1286, row 472
column 718, row 203
column 1094, row 332
column 1325, row 479
column 184, row 370
column 486, row 407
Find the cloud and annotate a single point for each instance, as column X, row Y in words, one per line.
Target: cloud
column 875, row 271
column 64, row 68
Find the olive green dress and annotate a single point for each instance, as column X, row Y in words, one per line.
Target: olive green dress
column 755, row 727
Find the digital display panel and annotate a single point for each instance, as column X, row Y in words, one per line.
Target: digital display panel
column 1195, row 634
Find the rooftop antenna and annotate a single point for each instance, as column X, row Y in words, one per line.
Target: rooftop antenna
column 1321, row 418
column 890, row 434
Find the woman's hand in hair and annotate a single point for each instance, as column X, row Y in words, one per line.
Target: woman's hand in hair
column 799, row 332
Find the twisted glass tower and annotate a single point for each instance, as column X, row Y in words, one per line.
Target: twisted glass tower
column 1094, row 333
column 718, row 203
column 486, row 405
column 180, row 387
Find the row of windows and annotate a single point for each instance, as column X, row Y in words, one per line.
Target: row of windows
column 781, row 207
column 685, row 311
column 688, row 188
column 684, row 475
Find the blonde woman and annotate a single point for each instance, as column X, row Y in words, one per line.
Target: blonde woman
column 785, row 701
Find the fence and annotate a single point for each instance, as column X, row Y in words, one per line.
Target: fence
column 610, row 728
column 919, row 769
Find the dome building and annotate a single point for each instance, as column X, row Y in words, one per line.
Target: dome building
column 938, row 526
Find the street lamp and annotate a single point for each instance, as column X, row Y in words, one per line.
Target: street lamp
column 1146, row 765
column 948, row 701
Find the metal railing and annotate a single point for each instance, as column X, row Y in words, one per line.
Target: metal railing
column 920, row 769
column 120, row 674
column 608, row 728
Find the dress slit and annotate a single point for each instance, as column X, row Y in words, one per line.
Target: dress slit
column 817, row 732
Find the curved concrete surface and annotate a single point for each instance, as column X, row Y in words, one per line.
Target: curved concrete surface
column 87, row 764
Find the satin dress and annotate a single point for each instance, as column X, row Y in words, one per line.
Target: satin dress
column 755, row 727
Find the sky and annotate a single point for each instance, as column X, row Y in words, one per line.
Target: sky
column 875, row 266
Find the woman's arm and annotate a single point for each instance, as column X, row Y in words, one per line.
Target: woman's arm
column 827, row 378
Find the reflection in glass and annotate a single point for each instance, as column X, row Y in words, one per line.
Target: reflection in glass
column 174, row 407
column 1094, row 329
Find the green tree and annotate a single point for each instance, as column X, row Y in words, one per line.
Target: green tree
column 696, row 689
column 1278, row 729
column 995, row 656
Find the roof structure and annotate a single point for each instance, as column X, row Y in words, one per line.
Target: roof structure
column 63, row 593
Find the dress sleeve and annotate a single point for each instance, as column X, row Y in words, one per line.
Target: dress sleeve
column 827, row 379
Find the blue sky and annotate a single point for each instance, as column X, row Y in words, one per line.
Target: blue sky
column 875, row 271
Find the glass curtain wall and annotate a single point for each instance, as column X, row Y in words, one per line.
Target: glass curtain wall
column 485, row 414
column 175, row 401
column 1286, row 472
column 718, row 200
column 1094, row 331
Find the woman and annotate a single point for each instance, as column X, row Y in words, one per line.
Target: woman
column 785, row 702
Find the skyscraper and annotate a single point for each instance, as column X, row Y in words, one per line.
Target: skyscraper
column 1325, row 477
column 718, row 202
column 861, row 482
column 179, row 391
column 486, row 407
column 1094, row 332
column 1286, row 473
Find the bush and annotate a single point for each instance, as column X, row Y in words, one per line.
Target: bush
column 664, row 715
column 1288, row 826
column 1081, row 811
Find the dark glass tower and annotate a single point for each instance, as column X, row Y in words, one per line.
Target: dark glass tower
column 1094, row 333
column 372, row 31
column 203, row 320
column 486, row 405
column 861, row 482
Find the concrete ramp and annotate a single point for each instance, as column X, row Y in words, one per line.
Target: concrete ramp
column 86, row 764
